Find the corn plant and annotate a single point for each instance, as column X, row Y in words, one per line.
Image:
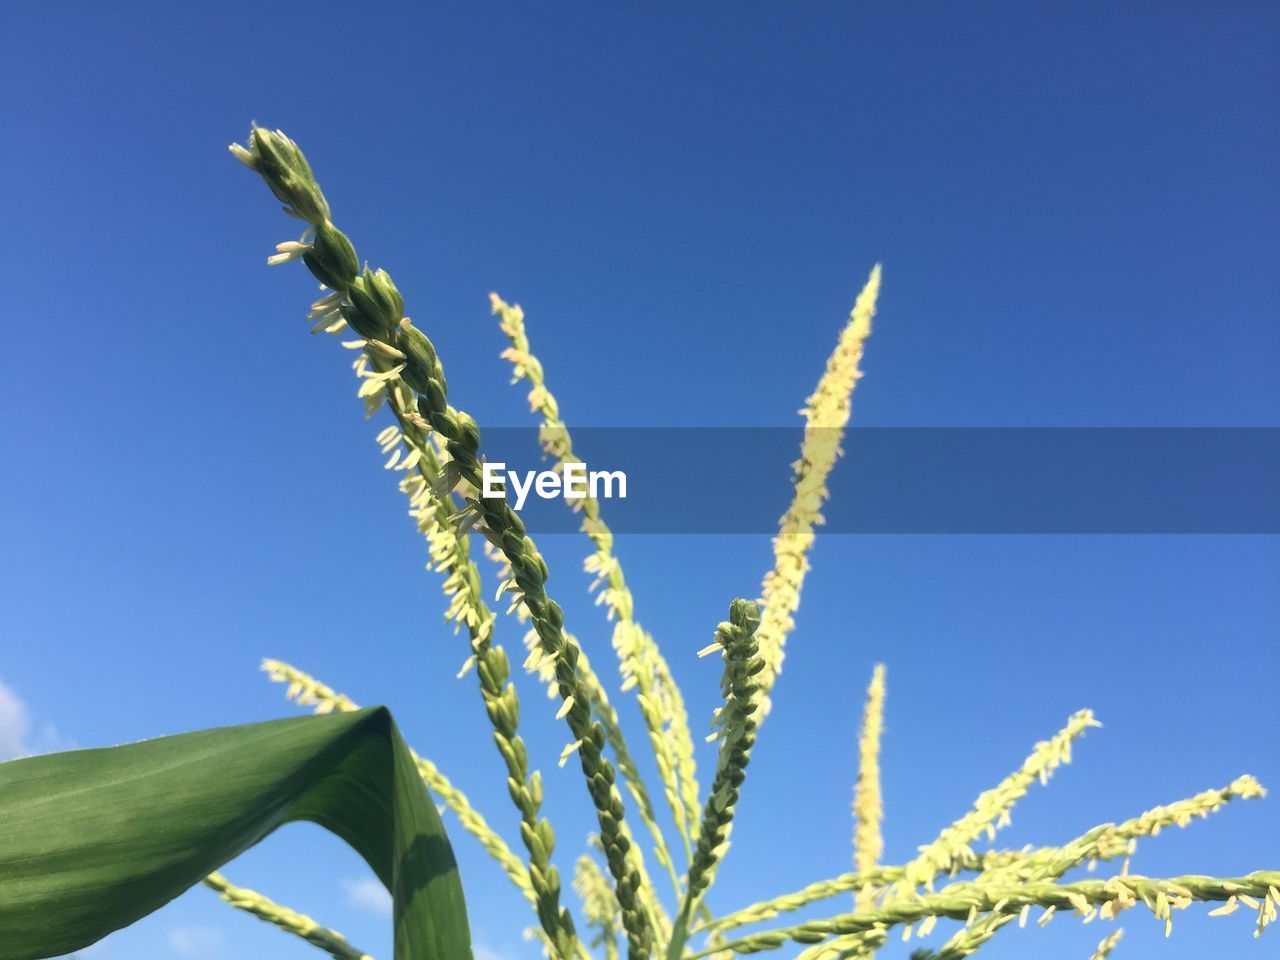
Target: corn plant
column 94, row 839
column 642, row 883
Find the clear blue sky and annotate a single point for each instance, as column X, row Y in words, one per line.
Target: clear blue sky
column 1077, row 207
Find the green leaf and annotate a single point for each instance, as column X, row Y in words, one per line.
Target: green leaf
column 92, row 840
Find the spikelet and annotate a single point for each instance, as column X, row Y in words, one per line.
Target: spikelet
column 826, row 416
column 290, row 921
column 1106, row 945
column 1102, row 842
column 991, row 809
column 790, row 902
column 643, row 667
column 599, row 905
column 736, row 730
column 1006, row 865
column 1113, row 841
column 967, row 901
column 868, row 807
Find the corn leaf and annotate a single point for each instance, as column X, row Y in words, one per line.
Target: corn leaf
column 92, row 840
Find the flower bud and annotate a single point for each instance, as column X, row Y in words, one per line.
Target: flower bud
column 744, row 614
column 358, row 319
column 423, row 364
column 382, row 286
column 335, row 251
column 367, row 299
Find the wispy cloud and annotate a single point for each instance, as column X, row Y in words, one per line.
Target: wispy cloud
column 480, row 952
column 15, row 725
column 18, row 735
column 368, row 894
column 194, row 941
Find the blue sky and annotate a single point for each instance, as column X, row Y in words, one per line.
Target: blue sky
column 1078, row 213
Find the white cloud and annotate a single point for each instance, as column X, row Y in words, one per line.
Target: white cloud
column 15, row 725
column 194, row 941
column 480, row 952
column 368, row 894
